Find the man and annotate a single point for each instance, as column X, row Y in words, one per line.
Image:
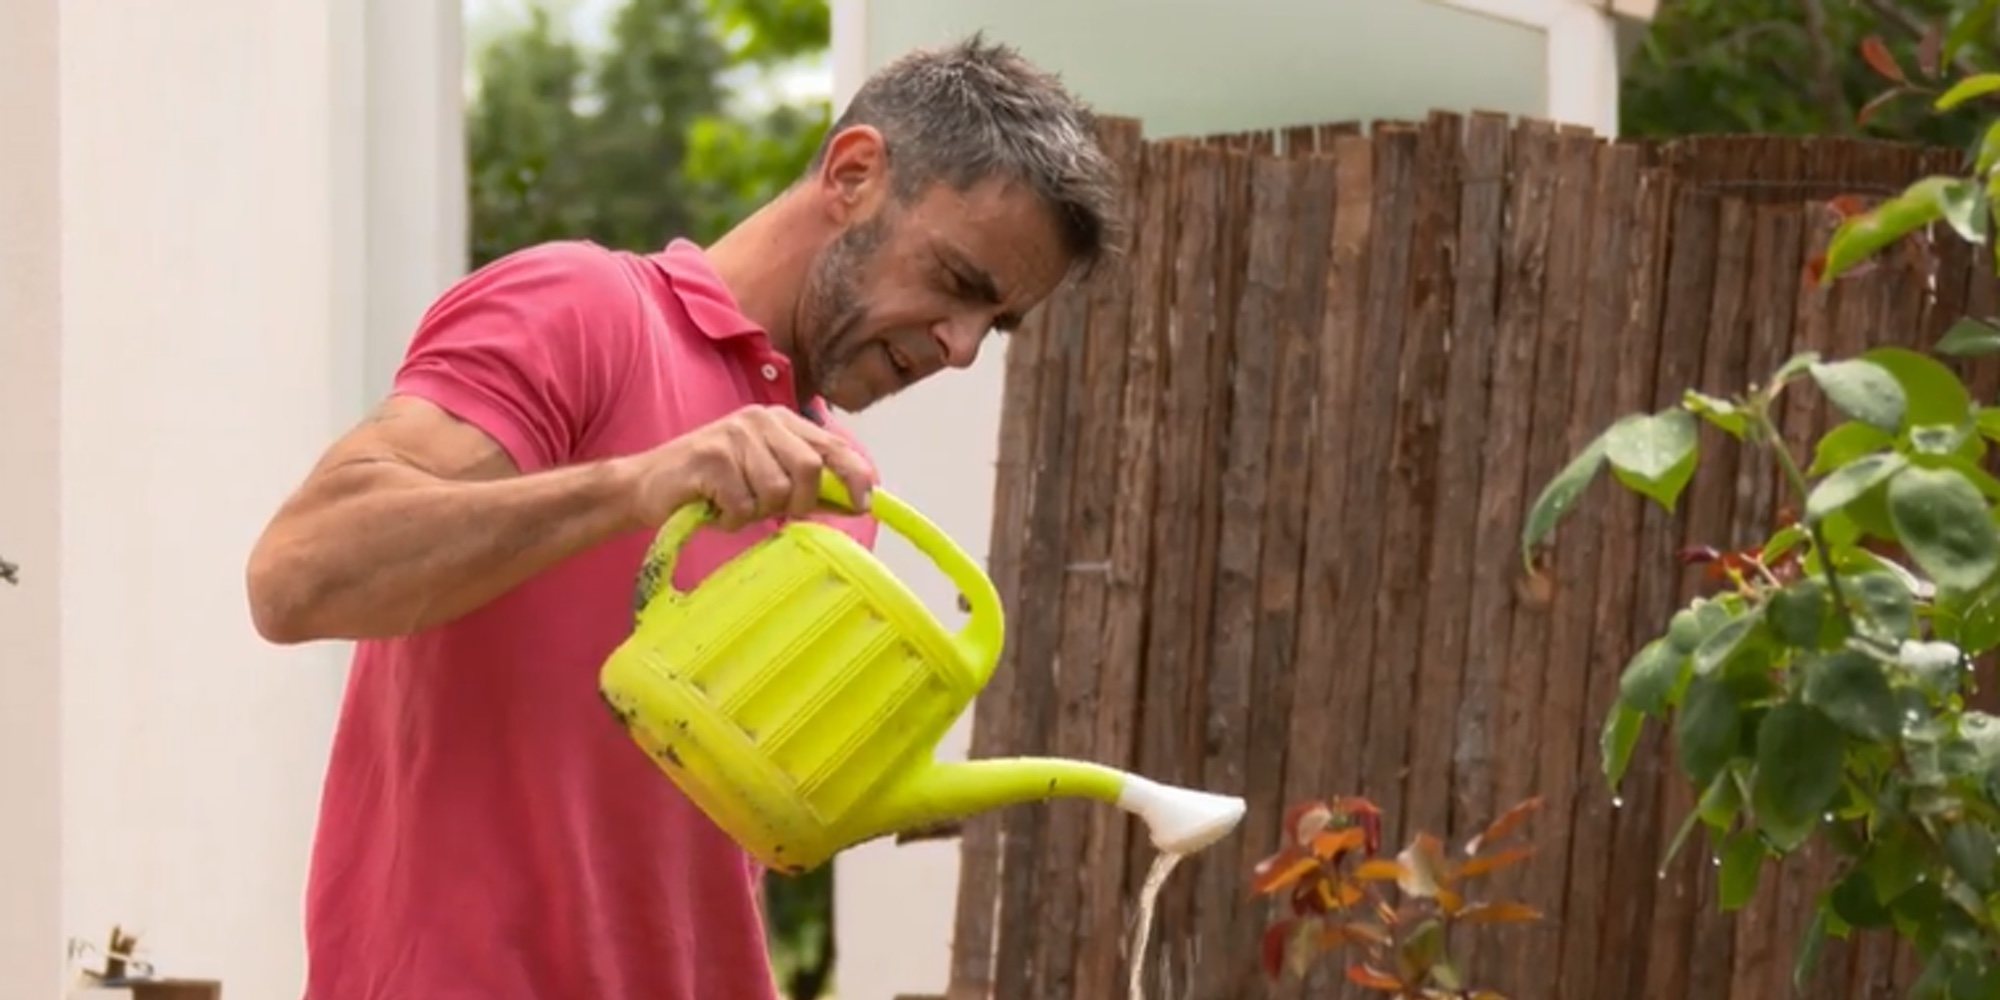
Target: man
column 487, row 830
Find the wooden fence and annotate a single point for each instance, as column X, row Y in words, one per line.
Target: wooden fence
column 1260, row 488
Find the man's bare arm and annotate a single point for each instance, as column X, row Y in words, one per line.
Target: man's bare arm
column 416, row 518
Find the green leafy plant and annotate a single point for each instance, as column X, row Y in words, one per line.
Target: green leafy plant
column 1821, row 691
column 1333, row 881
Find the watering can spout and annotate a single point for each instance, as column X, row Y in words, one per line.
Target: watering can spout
column 1180, row 820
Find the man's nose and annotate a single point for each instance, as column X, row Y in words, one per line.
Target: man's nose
column 958, row 341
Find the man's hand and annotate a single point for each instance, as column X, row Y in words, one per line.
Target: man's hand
column 756, row 463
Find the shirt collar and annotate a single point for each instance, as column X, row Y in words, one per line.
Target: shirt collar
column 703, row 294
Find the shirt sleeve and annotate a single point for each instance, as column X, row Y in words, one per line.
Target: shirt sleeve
column 530, row 348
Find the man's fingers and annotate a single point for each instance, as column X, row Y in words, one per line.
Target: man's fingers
column 770, row 481
column 802, row 464
column 853, row 470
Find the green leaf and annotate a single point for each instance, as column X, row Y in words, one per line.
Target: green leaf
column 1946, row 526
column 1723, row 643
column 1618, row 739
column 1860, row 236
column 1559, row 496
column 1987, row 419
column 1794, row 366
column 1720, row 412
column 1708, row 731
column 1798, row 613
column 1651, row 676
column 1894, row 866
column 1845, row 443
column 1964, row 90
column 1853, row 898
column 1798, row 772
column 1850, row 481
column 1989, row 151
column 1852, row 689
column 1969, row 28
column 1931, row 393
column 1863, row 390
column 1939, row 440
column 1969, row 849
column 1742, row 858
column 1807, row 960
column 1970, row 336
column 1654, row 455
column 1721, row 802
column 1937, row 667
column 1783, row 541
column 1970, row 753
column 1884, row 602
column 1963, row 204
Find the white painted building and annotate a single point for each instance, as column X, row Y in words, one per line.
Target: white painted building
column 218, row 222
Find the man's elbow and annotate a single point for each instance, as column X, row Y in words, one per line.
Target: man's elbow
column 276, row 589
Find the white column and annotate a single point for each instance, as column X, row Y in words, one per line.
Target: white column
column 30, row 680
column 228, row 171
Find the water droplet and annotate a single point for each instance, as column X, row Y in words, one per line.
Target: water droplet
column 1618, row 802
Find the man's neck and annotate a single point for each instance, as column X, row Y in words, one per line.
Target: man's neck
column 764, row 262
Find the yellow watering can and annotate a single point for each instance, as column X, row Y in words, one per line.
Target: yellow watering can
column 796, row 696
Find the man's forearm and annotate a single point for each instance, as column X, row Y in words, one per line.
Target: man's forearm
column 379, row 549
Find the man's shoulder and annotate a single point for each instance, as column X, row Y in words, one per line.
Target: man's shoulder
column 576, row 267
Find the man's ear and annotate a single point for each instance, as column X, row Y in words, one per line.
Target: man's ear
column 854, row 172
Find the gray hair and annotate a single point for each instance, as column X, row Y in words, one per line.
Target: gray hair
column 978, row 110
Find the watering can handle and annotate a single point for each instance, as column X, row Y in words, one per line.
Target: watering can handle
column 979, row 640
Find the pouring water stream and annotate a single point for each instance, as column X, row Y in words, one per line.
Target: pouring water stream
column 1181, row 821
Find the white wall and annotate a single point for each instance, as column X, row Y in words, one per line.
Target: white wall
column 219, row 221
column 30, row 691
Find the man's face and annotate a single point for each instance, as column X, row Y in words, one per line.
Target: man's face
column 917, row 286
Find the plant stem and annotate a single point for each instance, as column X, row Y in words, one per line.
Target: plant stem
column 1769, row 432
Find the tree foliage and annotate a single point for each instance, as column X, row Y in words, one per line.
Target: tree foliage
column 656, row 136
column 1798, row 67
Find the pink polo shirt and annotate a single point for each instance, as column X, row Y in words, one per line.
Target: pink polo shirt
column 487, row 829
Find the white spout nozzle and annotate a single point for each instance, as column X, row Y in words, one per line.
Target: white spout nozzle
column 1181, row 820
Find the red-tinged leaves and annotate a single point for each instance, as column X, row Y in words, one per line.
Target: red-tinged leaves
column 1305, row 821
column 1876, row 104
column 1276, row 937
column 1450, row 902
column 1930, row 51
column 1365, row 815
column 1380, row 870
column 1508, row 822
column 1816, row 269
column 1331, row 844
column 1423, row 867
column 1494, row 862
column 1846, row 206
column 1368, row 977
column 1881, row 60
column 1278, row 876
column 1499, row 913
column 1367, row 933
